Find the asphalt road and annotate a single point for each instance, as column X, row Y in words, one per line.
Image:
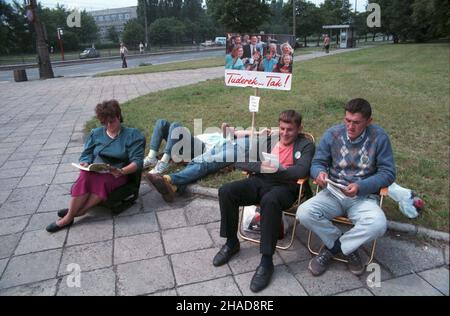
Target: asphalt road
column 92, row 69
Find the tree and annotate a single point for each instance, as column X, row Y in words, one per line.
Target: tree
column 239, row 16
column 133, row 33
column 308, row 17
column 15, row 30
column 166, row 31
column 278, row 23
column 113, row 36
column 336, row 11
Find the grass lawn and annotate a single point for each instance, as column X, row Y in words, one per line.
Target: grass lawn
column 407, row 85
column 182, row 65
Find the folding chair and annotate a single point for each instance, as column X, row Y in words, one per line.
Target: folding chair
column 303, row 194
column 344, row 220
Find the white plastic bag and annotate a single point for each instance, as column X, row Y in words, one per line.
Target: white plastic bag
column 408, row 203
column 251, row 221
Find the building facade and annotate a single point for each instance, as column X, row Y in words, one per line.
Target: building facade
column 112, row 17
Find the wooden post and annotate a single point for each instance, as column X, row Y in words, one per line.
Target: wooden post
column 253, row 120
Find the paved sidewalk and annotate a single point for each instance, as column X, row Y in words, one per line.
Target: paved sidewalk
column 153, row 248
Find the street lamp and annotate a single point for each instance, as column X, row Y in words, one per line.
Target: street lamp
column 60, row 33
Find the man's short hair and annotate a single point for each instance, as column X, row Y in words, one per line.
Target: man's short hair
column 359, row 106
column 291, row 116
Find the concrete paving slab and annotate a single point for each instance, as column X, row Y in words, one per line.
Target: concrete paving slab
column 6, row 173
column 86, row 232
column 13, row 225
column 218, row 287
column 40, row 221
column 202, row 211
column 165, row 293
column 135, row 224
column 144, row 277
column 357, row 292
column 200, row 267
column 138, row 247
column 298, row 252
column 68, row 177
column 7, row 245
column 438, row 278
column 44, row 288
column 402, row 257
column 94, row 283
column 186, row 239
column 19, row 270
column 336, row 279
column 88, row 257
column 214, row 232
column 248, row 258
column 3, row 263
column 39, row 240
column 282, row 283
column 22, row 201
column 408, row 285
column 172, row 219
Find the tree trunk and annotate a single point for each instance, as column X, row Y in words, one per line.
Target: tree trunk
column 45, row 66
column 306, row 45
column 373, row 37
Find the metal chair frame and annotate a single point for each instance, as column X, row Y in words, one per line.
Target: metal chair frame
column 344, row 220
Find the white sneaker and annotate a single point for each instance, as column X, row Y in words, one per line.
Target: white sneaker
column 150, row 162
column 160, row 168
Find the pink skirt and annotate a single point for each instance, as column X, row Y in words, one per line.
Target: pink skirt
column 100, row 184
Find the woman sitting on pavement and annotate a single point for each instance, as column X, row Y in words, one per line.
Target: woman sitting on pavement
column 121, row 147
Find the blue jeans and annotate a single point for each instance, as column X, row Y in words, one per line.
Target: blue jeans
column 218, row 157
column 163, row 130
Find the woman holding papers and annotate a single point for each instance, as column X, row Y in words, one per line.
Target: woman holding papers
column 120, row 147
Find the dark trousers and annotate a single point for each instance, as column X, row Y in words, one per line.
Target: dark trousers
column 124, row 61
column 272, row 199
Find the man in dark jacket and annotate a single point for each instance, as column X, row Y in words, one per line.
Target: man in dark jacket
column 274, row 188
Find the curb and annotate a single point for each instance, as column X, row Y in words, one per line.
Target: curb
column 393, row 226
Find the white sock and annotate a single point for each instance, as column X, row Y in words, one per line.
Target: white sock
column 152, row 154
column 165, row 158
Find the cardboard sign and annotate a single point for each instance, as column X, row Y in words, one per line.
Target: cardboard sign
column 263, row 80
column 254, row 104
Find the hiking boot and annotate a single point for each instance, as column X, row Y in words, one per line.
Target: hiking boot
column 162, row 186
column 160, row 168
column 150, row 162
column 320, row 263
column 355, row 264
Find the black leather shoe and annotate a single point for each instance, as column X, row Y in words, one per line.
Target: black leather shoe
column 225, row 254
column 53, row 227
column 261, row 278
column 62, row 213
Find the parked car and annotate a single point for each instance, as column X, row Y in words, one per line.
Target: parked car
column 89, row 53
column 220, row 41
column 207, row 44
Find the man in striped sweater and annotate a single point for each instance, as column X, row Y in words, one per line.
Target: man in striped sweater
column 356, row 156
